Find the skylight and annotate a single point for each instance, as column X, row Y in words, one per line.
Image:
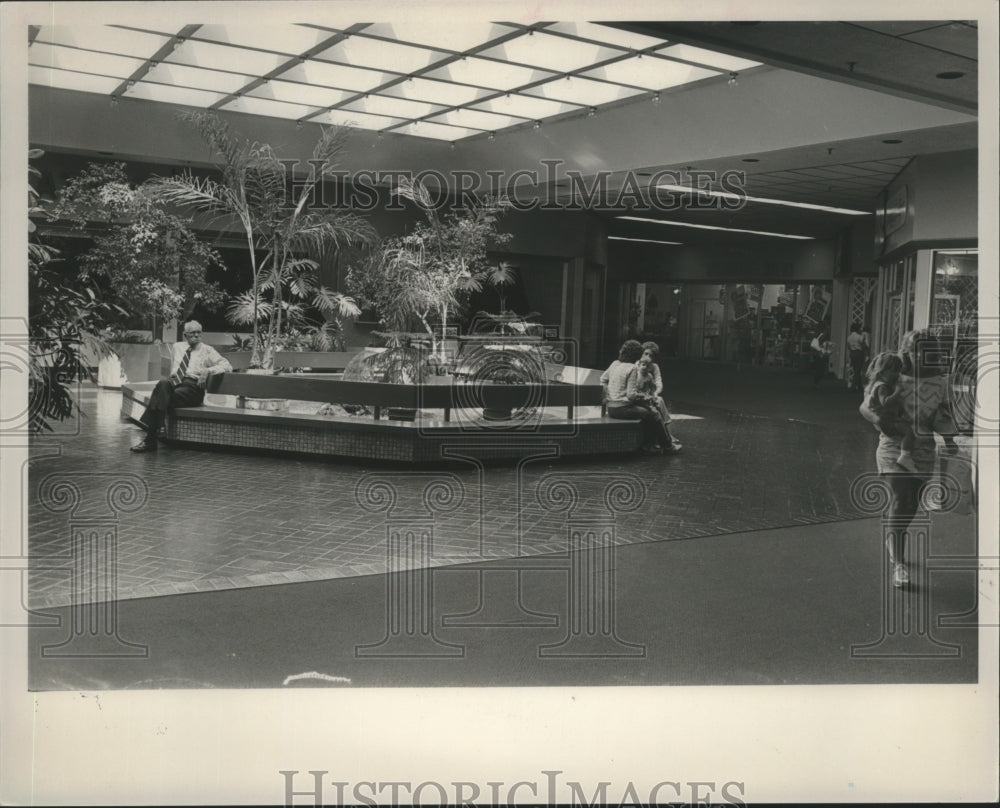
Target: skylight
column 459, row 79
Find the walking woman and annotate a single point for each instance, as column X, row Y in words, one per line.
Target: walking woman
column 624, row 400
column 925, row 401
column 857, row 349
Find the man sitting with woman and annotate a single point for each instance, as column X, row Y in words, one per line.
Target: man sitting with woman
column 625, row 399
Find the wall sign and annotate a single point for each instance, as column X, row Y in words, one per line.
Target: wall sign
column 895, row 210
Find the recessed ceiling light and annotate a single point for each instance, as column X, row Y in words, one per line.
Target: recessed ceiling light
column 686, row 189
column 750, row 160
column 713, row 227
column 951, row 74
column 892, row 140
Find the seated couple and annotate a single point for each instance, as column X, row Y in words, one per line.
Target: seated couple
column 632, row 390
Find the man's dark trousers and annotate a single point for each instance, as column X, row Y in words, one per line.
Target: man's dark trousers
column 165, row 396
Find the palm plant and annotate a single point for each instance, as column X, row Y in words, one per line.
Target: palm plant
column 65, row 316
column 283, row 234
column 428, row 273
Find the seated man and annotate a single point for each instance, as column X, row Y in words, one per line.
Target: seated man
column 193, row 362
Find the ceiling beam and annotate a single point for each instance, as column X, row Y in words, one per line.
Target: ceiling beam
column 162, row 53
column 327, row 43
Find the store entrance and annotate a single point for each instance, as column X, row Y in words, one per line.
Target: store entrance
column 768, row 324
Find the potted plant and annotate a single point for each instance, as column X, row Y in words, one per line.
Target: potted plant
column 426, row 275
column 284, row 235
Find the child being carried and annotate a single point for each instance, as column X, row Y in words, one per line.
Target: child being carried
column 885, row 401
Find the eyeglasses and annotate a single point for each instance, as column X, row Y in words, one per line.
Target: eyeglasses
column 192, row 333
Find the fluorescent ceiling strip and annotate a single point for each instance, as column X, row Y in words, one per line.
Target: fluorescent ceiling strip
column 684, row 189
column 646, row 240
column 714, row 227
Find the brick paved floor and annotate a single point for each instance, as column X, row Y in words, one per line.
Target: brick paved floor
column 218, row 520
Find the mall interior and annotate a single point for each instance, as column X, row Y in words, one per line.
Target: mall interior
column 838, row 169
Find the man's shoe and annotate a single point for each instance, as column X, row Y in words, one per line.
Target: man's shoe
column 147, row 445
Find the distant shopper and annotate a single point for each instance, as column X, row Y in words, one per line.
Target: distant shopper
column 884, row 401
column 857, row 351
column 624, row 400
column 193, row 362
column 820, row 347
column 651, row 384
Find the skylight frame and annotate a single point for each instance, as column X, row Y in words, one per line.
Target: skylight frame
column 110, row 39
column 650, row 73
column 71, row 80
column 503, row 76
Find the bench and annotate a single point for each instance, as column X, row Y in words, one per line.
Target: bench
column 440, row 393
column 293, row 360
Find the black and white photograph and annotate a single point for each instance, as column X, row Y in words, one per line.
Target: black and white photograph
column 499, row 403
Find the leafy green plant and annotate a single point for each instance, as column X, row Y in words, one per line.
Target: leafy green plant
column 427, row 274
column 148, row 258
column 284, row 234
column 65, row 317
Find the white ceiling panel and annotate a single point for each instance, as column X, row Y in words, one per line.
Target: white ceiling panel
column 166, row 94
column 605, row 35
column 197, row 77
column 394, row 107
column 82, row 61
column 273, row 109
column 103, row 38
column 585, row 92
column 225, row 57
column 701, row 56
column 293, row 93
column 457, row 36
column 487, row 73
column 342, row 117
column 475, row 119
column 525, row 106
column 436, row 92
column 650, row 72
column 435, row 131
column 340, row 77
column 287, row 39
column 549, row 52
column 68, row 80
column 360, row 51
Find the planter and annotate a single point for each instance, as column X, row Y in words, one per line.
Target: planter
column 132, row 362
column 263, row 404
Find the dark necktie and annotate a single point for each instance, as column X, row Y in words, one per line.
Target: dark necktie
column 178, row 377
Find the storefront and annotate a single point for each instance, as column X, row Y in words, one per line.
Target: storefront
column 768, row 324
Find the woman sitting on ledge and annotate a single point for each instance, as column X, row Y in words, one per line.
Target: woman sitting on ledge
column 626, row 402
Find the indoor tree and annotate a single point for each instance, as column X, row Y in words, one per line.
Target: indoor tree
column 147, row 257
column 284, row 234
column 428, row 273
